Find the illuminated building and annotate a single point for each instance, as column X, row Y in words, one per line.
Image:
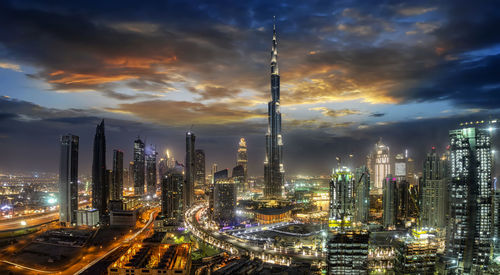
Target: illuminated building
column 342, row 195
column 68, row 179
column 100, row 187
column 142, row 259
column 117, row 184
column 379, row 166
column 199, row 177
column 171, row 195
column 87, row 217
column 151, row 154
column 125, row 177
column 224, row 201
column 347, row 252
column 416, row 253
column 190, row 168
column 434, row 191
column 242, row 158
column 362, row 195
column 274, row 172
column 139, row 164
column 131, row 174
column 390, row 202
column 273, row 215
column 470, row 223
column 496, row 221
column 238, row 177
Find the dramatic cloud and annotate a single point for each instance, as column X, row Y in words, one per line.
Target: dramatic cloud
column 335, row 113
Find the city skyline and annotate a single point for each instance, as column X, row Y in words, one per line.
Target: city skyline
column 341, row 63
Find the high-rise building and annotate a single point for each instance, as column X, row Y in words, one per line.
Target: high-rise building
column 117, row 184
column 199, row 177
column 242, row 158
column 390, row 202
column 68, row 179
column 434, row 191
column 416, row 253
column 347, row 252
column 381, row 166
column 171, row 195
column 362, row 195
column 274, row 172
column 342, row 196
column 131, row 174
column 496, row 218
column 214, row 170
column 238, row 177
column 126, row 177
column 190, row 168
column 470, row 222
column 139, row 167
column 100, row 187
column 151, row 170
column 224, row 202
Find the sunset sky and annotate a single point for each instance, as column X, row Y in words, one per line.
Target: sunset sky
column 351, row 72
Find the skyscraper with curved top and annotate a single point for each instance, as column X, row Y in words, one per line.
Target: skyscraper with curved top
column 273, row 164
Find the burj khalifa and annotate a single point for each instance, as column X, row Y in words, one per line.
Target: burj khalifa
column 273, row 166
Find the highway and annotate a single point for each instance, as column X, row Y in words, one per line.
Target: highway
column 236, row 245
column 6, row 225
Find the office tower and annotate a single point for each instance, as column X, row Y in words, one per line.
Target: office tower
column 171, row 195
column 199, row 177
column 274, row 172
column 400, row 166
column 224, row 201
column 162, row 168
column 416, row 253
column 100, row 187
column 214, row 170
column 347, row 252
column 151, row 170
column 242, row 158
column 125, row 177
column 434, row 191
column 362, row 195
column 139, row 159
column 341, row 197
column 238, row 177
column 382, row 166
column 469, row 235
column 117, row 184
column 390, row 202
column 68, row 179
column 222, row 174
column 496, row 218
column 190, row 168
column 131, row 174
column 170, row 160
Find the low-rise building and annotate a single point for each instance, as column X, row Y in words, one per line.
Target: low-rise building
column 87, row 217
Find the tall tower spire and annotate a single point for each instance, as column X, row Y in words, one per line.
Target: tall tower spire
column 273, row 165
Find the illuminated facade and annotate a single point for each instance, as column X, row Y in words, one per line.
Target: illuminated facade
column 416, row 253
column 347, row 252
column 151, row 170
column 274, row 172
column 470, row 224
column 390, row 202
column 273, row 215
column 342, row 195
column 68, row 179
column 224, row 202
column 242, row 158
column 139, row 165
column 381, row 166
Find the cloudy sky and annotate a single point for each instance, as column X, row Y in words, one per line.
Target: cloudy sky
column 351, row 72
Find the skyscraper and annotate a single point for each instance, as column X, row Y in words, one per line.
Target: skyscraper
column 199, row 177
column 151, row 154
column 381, row 165
column 190, row 169
column 242, row 158
column 100, row 187
column 224, row 201
column 434, row 191
column 362, row 195
column 273, row 165
column 139, row 167
column 68, row 179
column 117, row 184
column 131, row 174
column 470, row 223
column 390, row 202
column 171, row 195
column 341, row 196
